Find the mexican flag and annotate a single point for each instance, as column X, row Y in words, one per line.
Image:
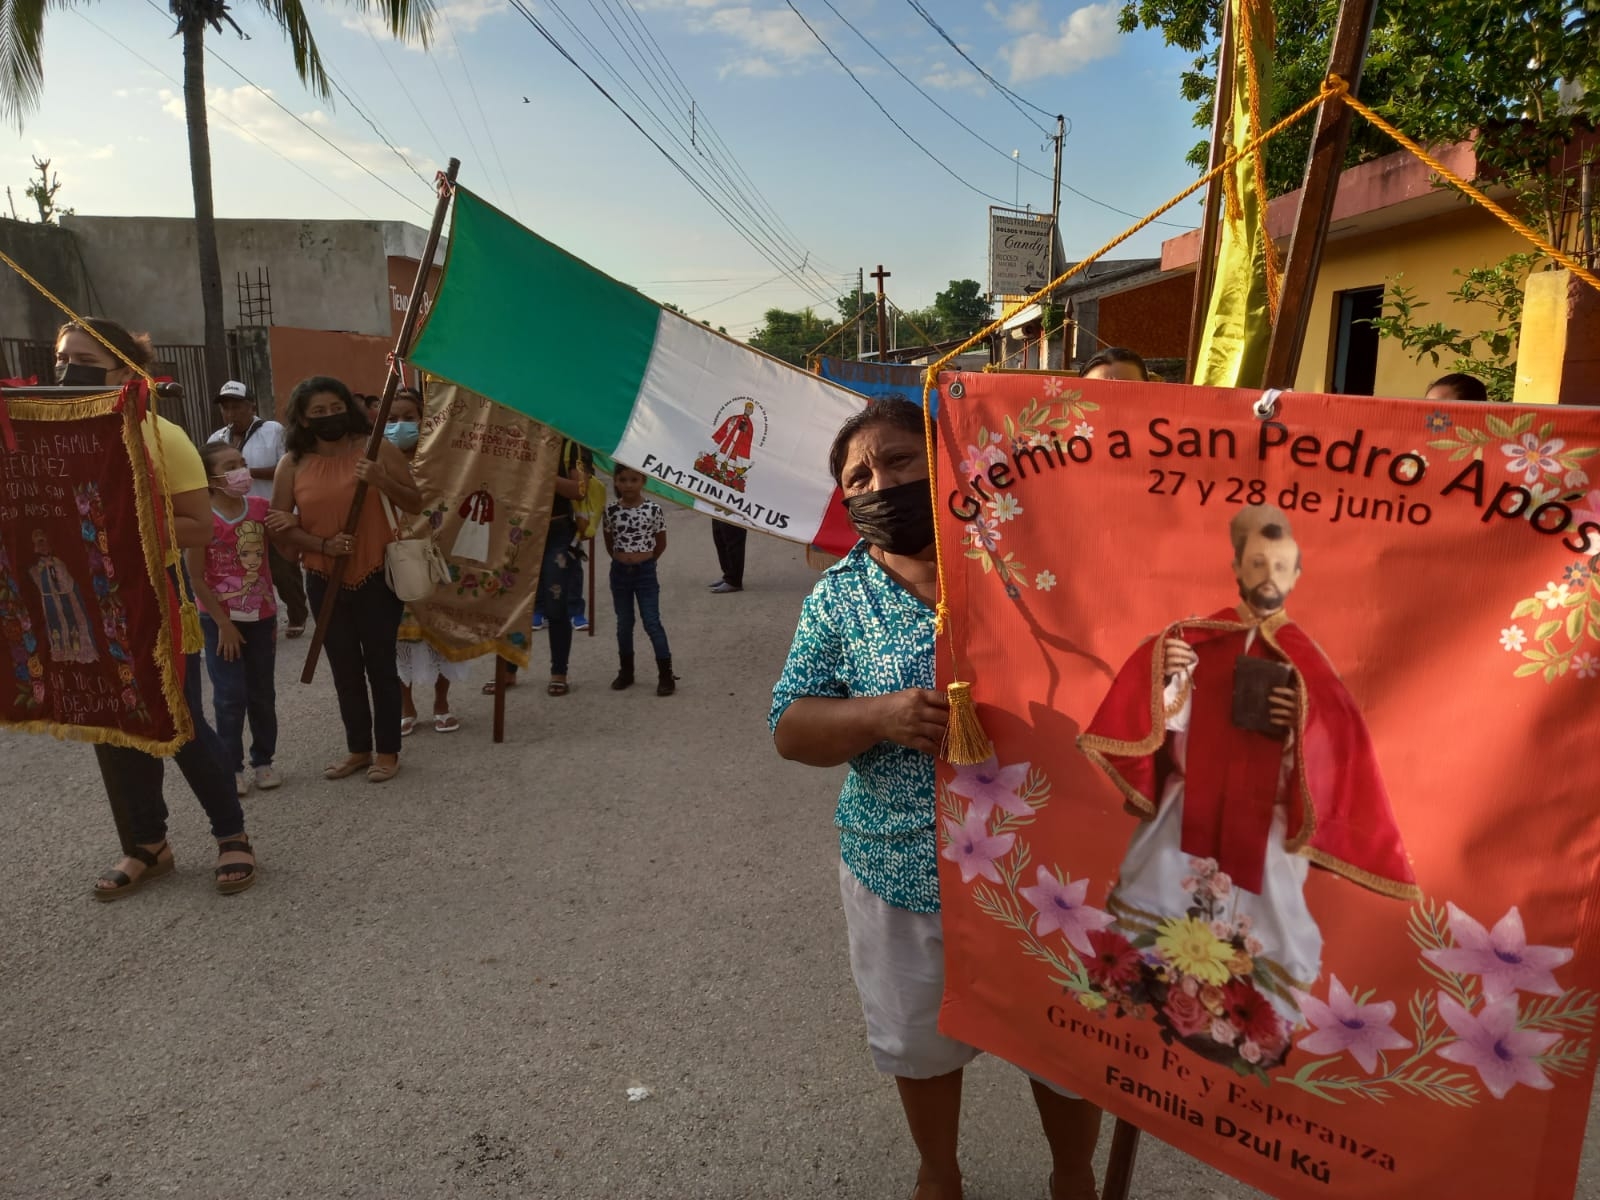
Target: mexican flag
column 742, row 434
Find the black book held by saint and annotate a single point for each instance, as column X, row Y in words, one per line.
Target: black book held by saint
column 1253, row 682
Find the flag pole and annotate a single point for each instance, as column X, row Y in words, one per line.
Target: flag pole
column 402, row 346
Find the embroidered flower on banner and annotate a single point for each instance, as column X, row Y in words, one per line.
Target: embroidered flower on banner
column 1512, row 637
column 973, row 848
column 1004, row 507
column 1044, row 580
column 1083, row 429
column 1491, row 1044
column 1577, row 574
column 1530, row 457
column 985, row 532
column 1062, row 910
column 1344, row 1026
column 1438, row 422
column 1586, row 666
column 1501, row 956
column 1054, row 387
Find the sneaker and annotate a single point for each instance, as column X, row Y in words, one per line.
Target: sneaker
column 268, row 777
column 723, row 587
column 538, row 622
column 241, row 783
column 580, row 623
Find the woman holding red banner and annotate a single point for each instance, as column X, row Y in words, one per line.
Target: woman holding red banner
column 311, row 497
column 858, row 688
column 133, row 778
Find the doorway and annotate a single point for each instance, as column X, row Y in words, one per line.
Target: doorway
column 1355, row 344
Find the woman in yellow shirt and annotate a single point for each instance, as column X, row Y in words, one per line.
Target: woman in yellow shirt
column 133, row 779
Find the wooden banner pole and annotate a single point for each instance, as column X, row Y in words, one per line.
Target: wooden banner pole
column 591, row 586
column 402, row 346
column 1329, row 140
column 501, row 678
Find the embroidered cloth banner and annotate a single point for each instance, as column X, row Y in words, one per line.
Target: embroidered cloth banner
column 86, row 623
column 487, row 477
column 1287, row 853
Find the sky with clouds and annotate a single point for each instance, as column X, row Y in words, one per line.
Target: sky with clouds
column 744, row 96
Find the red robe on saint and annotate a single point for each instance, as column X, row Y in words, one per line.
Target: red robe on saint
column 1339, row 814
column 735, row 435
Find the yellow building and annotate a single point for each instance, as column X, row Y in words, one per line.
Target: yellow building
column 1390, row 223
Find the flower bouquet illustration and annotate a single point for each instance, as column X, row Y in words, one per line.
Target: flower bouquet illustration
column 1493, row 1014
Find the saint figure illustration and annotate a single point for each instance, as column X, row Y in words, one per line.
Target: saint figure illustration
column 735, row 436
column 1235, row 742
column 477, row 514
column 66, row 622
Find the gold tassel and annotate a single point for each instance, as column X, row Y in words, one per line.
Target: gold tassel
column 189, row 618
column 965, row 743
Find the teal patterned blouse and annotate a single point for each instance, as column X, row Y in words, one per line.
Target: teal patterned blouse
column 862, row 634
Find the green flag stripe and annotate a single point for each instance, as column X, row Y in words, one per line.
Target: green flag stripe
column 509, row 289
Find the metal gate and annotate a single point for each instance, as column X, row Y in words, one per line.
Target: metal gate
column 186, row 365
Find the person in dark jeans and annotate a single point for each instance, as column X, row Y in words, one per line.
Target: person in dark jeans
column 133, row 778
column 560, row 570
column 311, row 499
column 361, row 644
column 636, row 537
column 730, row 539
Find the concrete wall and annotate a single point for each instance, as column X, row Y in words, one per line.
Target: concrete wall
column 46, row 252
column 324, row 274
column 1425, row 255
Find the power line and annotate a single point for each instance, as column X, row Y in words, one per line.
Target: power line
column 494, row 146
column 383, row 137
column 311, row 129
column 555, row 44
column 651, row 74
column 1031, row 170
column 1016, row 101
column 774, row 251
column 406, row 92
column 251, row 134
column 472, row 144
column 939, row 162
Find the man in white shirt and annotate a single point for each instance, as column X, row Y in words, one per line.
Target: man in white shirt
column 261, row 443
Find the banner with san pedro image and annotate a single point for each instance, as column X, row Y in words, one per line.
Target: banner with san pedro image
column 1287, row 851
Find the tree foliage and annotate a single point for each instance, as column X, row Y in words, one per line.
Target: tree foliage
column 1487, row 70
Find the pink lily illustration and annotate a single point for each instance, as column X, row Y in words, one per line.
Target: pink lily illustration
column 989, row 786
column 1502, row 956
column 1491, row 1044
column 1061, row 909
column 1364, row 1030
column 973, row 848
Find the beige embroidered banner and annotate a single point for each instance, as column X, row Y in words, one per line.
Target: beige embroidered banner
column 487, row 476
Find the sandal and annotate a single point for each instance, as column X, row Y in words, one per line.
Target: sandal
column 445, row 722
column 377, row 773
column 294, row 631
column 557, row 687
column 511, row 682
column 155, row 866
column 408, row 726
column 236, row 845
column 342, row 770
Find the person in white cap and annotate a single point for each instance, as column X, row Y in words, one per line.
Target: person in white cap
column 261, row 443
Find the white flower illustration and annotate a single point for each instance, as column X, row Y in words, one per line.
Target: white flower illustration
column 1512, row 637
column 1044, row 581
column 1004, row 507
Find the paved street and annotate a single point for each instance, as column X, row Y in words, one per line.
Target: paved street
column 445, row 986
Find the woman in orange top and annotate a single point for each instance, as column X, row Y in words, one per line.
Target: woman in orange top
column 311, row 496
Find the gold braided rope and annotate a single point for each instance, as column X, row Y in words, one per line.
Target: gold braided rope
column 81, row 322
column 1455, row 180
column 1333, row 87
column 1249, row 13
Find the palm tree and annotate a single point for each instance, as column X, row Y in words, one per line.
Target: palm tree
column 22, row 81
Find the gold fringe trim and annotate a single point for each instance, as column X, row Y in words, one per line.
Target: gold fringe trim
column 63, row 410
column 501, row 647
column 156, row 559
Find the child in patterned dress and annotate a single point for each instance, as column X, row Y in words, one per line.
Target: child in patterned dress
column 636, row 536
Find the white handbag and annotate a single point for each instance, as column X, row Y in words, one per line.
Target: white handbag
column 413, row 566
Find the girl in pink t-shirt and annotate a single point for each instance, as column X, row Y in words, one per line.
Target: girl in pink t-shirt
column 233, row 583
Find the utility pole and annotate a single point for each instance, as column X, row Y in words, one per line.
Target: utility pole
column 1050, row 261
column 880, row 275
column 861, row 311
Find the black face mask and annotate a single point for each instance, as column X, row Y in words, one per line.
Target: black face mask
column 329, row 428
column 71, row 374
column 898, row 519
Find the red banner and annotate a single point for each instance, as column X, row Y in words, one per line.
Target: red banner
column 86, row 634
column 1287, row 851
